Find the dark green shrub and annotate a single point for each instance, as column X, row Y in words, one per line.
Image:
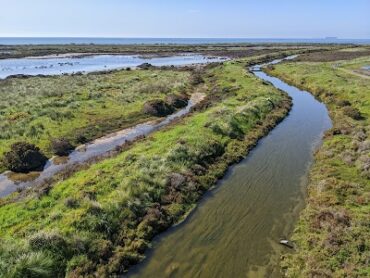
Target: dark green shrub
column 61, row 147
column 177, row 101
column 352, row 112
column 81, row 139
column 343, row 103
column 196, row 79
column 24, row 157
column 158, row 108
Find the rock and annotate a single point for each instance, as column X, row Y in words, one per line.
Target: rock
column 145, row 66
column 24, row 157
column 158, row 108
column 286, row 243
column 177, row 101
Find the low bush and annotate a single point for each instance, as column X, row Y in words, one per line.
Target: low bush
column 61, row 147
column 196, row 79
column 24, row 157
column 177, row 100
column 352, row 112
column 158, row 108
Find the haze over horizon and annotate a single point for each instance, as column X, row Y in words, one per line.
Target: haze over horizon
column 186, row 19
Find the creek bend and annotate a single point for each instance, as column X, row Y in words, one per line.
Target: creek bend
column 236, row 228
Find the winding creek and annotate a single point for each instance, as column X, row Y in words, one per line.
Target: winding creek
column 235, row 230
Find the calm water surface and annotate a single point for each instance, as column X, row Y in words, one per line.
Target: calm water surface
column 235, row 230
column 54, row 65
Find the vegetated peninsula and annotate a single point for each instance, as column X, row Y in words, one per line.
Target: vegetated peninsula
column 100, row 220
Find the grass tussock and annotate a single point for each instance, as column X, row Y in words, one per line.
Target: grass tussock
column 333, row 232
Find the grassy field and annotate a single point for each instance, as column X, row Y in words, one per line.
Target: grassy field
column 332, row 236
column 101, row 219
column 38, row 109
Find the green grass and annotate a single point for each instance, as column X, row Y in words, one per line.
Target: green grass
column 332, row 236
column 41, row 108
column 100, row 220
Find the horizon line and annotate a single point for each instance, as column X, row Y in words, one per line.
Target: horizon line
column 166, row 37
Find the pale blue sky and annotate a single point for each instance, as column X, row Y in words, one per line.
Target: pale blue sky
column 186, row 18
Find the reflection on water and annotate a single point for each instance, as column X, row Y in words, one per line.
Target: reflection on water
column 9, row 182
column 55, row 65
column 235, row 231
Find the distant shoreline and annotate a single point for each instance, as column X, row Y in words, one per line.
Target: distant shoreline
column 170, row 41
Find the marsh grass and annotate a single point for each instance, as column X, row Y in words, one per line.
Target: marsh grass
column 333, row 235
column 80, row 107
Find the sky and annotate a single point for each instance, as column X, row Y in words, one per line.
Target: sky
column 186, row 18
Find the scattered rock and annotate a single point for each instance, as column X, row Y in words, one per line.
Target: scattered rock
column 286, row 243
column 145, row 66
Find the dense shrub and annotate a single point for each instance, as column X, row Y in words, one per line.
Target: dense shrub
column 61, row 146
column 24, row 157
column 352, row 112
column 80, row 138
column 343, row 103
column 177, row 100
column 196, row 79
column 158, row 108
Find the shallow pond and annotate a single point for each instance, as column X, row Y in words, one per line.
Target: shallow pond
column 235, row 230
column 63, row 64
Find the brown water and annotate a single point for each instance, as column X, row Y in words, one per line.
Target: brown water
column 235, row 230
column 10, row 182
